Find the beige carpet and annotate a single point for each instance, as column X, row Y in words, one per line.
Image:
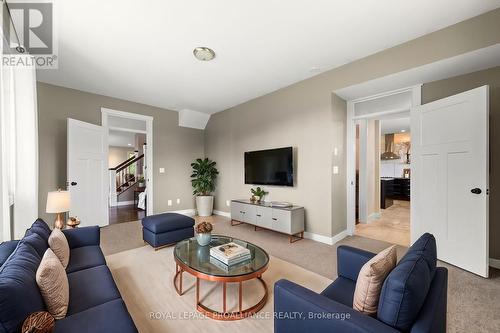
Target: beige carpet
column 144, row 277
column 473, row 302
column 120, row 237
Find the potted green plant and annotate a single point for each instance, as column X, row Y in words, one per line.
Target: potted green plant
column 141, row 181
column 203, row 182
column 258, row 193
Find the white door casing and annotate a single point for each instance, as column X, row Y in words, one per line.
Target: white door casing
column 148, row 156
column 450, row 158
column 87, row 163
column 353, row 117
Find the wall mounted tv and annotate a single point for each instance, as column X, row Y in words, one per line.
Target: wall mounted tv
column 269, row 167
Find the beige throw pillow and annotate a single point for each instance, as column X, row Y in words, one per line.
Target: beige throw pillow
column 59, row 244
column 370, row 280
column 53, row 284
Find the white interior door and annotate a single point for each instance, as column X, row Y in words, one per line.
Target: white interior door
column 449, row 181
column 87, row 176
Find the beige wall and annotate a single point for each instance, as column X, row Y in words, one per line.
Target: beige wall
column 174, row 147
column 444, row 88
column 117, row 155
column 303, row 115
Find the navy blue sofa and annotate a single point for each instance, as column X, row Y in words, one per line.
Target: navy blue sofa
column 413, row 297
column 95, row 303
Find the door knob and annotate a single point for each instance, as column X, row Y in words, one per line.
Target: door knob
column 73, row 183
column 476, row 190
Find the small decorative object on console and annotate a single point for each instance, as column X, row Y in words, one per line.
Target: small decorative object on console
column 141, row 181
column 38, row 322
column 203, row 233
column 281, row 204
column 258, row 193
column 72, row 222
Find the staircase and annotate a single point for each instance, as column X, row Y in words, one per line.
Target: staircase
column 124, row 176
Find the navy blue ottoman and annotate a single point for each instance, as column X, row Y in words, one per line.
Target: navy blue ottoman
column 165, row 229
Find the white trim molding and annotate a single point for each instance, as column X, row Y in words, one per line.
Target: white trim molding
column 105, row 113
column 188, row 212
column 495, row 263
column 221, row 213
column 325, row 239
column 374, row 216
column 352, row 120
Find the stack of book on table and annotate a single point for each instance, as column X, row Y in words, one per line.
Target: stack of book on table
column 230, row 253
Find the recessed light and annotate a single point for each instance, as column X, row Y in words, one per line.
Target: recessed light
column 129, row 144
column 402, row 131
column 204, row 53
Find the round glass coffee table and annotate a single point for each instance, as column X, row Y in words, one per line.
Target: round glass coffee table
column 195, row 259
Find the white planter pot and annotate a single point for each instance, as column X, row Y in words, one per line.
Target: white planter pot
column 204, row 205
column 204, row 239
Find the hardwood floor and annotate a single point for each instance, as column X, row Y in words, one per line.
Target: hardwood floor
column 127, row 213
column 393, row 226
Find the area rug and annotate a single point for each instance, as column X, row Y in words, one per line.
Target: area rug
column 145, row 280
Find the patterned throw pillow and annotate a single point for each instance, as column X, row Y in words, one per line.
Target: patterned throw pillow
column 53, row 284
column 370, row 280
column 59, row 244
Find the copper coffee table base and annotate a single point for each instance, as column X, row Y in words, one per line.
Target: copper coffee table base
column 224, row 315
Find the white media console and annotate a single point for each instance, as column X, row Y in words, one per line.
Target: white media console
column 286, row 220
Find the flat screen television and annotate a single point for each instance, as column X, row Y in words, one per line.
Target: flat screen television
column 269, row 167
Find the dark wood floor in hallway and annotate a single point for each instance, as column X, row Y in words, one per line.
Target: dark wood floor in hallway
column 120, row 214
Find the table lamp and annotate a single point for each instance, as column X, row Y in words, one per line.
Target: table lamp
column 58, row 202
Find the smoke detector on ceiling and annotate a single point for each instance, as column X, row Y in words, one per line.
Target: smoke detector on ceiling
column 204, row 53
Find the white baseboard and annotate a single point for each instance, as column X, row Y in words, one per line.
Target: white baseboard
column 188, row 212
column 373, row 216
column 495, row 263
column 221, row 213
column 124, row 203
column 325, row 239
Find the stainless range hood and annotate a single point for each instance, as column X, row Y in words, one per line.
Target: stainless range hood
column 389, row 153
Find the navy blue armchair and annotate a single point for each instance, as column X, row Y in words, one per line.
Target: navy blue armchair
column 413, row 297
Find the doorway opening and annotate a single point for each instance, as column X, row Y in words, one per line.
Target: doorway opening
column 127, row 168
column 378, row 165
column 383, row 150
column 129, row 143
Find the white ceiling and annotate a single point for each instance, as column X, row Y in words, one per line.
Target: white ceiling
column 396, row 125
column 121, row 139
column 142, row 50
column 477, row 60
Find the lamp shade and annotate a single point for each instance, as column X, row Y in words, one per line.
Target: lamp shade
column 58, row 202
